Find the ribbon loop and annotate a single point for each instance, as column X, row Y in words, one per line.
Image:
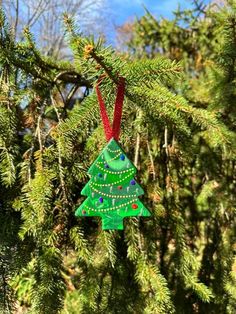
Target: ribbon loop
column 114, row 131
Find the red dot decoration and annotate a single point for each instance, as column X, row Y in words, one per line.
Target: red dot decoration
column 134, row 206
column 119, row 187
column 83, row 212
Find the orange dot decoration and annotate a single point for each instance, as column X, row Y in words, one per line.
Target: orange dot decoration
column 119, row 187
column 134, row 206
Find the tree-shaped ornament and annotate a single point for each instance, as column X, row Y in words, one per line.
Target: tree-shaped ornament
column 112, row 192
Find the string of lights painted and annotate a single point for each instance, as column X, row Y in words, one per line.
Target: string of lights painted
column 112, row 192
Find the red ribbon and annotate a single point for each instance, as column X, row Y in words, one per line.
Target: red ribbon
column 114, row 131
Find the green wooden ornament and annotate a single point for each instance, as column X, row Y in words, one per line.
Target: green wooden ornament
column 112, row 192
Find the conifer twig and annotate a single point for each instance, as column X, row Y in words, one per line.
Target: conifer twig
column 60, row 164
column 137, row 150
column 89, row 51
column 151, row 161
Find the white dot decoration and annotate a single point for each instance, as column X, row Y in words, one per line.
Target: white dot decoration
column 113, row 151
column 111, row 208
column 110, row 195
column 109, row 160
column 108, row 184
column 114, row 172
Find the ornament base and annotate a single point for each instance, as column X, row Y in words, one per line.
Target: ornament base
column 112, row 223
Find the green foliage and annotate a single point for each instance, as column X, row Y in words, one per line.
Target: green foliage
column 179, row 126
column 47, row 293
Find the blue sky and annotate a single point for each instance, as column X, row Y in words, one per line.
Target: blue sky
column 124, row 10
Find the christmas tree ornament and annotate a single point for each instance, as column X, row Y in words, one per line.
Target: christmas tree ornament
column 112, row 192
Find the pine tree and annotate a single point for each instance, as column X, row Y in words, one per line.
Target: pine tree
column 206, row 46
column 180, row 130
